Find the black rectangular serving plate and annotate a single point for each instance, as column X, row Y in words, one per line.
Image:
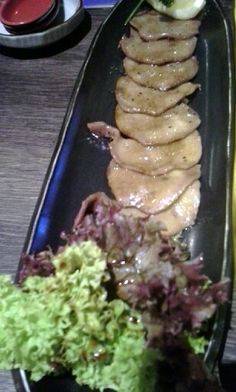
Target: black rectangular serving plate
column 78, row 166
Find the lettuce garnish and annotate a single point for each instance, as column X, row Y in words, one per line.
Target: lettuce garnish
column 64, row 321
column 119, row 306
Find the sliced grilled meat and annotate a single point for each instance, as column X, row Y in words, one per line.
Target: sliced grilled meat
column 134, row 98
column 150, row 194
column 161, row 77
column 157, row 52
column 172, row 125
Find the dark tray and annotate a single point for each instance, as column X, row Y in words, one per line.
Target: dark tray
column 78, row 166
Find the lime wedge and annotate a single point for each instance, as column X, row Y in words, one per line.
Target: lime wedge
column 181, row 9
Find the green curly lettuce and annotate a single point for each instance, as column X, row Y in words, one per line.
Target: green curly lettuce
column 197, row 343
column 65, row 321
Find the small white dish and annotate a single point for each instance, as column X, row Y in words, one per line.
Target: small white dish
column 70, row 15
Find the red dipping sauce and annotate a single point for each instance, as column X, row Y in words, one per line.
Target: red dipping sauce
column 20, row 12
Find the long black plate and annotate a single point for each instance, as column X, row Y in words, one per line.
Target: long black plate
column 78, row 166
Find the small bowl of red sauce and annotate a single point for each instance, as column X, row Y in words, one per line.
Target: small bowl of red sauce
column 22, row 16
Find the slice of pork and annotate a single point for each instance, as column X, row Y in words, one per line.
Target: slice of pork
column 162, row 77
column 172, row 125
column 153, row 26
column 157, row 52
column 134, row 98
column 150, row 194
column 150, row 160
column 181, row 214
